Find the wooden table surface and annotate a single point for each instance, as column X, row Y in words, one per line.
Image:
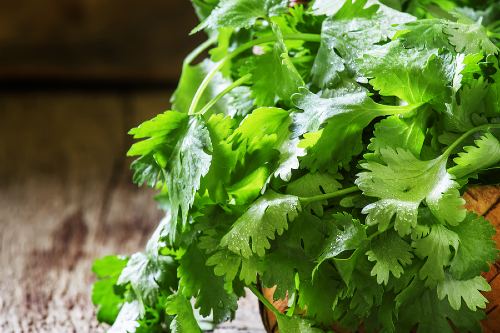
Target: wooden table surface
column 66, row 198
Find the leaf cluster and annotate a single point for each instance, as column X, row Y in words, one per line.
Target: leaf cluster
column 322, row 149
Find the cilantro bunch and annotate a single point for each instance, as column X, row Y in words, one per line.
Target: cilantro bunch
column 322, row 148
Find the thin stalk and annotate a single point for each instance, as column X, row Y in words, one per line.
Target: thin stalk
column 233, row 85
column 379, row 232
column 303, row 59
column 264, row 301
column 238, row 51
column 336, row 194
column 494, row 25
column 199, row 50
column 464, row 136
column 399, row 109
column 494, row 35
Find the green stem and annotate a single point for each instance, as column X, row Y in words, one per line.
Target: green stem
column 264, row 301
column 303, row 59
column 464, row 136
column 494, row 35
column 199, row 50
column 233, row 85
column 242, row 48
column 336, row 194
column 494, row 25
column 399, row 109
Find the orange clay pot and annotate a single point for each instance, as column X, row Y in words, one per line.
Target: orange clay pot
column 483, row 200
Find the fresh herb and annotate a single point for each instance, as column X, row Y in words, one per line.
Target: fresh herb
column 323, row 149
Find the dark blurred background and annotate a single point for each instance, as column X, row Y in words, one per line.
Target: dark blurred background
column 94, row 42
column 75, row 76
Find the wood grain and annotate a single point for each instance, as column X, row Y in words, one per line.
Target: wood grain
column 65, row 199
column 128, row 40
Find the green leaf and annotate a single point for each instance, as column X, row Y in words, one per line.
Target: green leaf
column 231, row 265
column 160, row 134
column 224, row 159
column 402, row 183
column 468, row 290
column 127, row 319
column 345, row 40
column 263, row 219
column 436, row 249
column 396, row 132
column 274, row 75
column 420, row 306
column 319, row 295
column 468, row 109
column 484, row 154
column 344, row 113
column 348, row 234
column 281, row 266
column 296, row 325
column 184, row 320
column 469, row 37
column 199, row 281
column 147, row 274
column 413, row 76
column 180, row 146
column 476, row 247
column 312, row 184
column 464, row 36
column 189, row 162
column 104, row 294
column 242, row 13
column 390, row 253
column 266, row 131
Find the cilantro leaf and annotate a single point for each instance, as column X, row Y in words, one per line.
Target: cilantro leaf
column 314, row 184
column 241, row 13
column 104, row 294
column 390, row 253
column 127, row 319
column 184, row 320
column 413, row 76
column 435, row 248
column 296, row 325
column 160, row 134
column 348, row 234
column 402, row 183
column 467, row 110
column 198, row 280
column 484, row 154
column 396, row 132
column 231, row 265
column 147, row 274
column 421, row 306
column 319, row 295
column 181, row 147
column 469, row 37
column 275, row 76
column 189, row 162
column 476, row 247
column 463, row 36
column 265, row 217
column 344, row 41
column 266, row 131
column 468, row 290
column 346, row 112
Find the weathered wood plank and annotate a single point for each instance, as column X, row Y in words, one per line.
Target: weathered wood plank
column 65, row 199
column 88, row 39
